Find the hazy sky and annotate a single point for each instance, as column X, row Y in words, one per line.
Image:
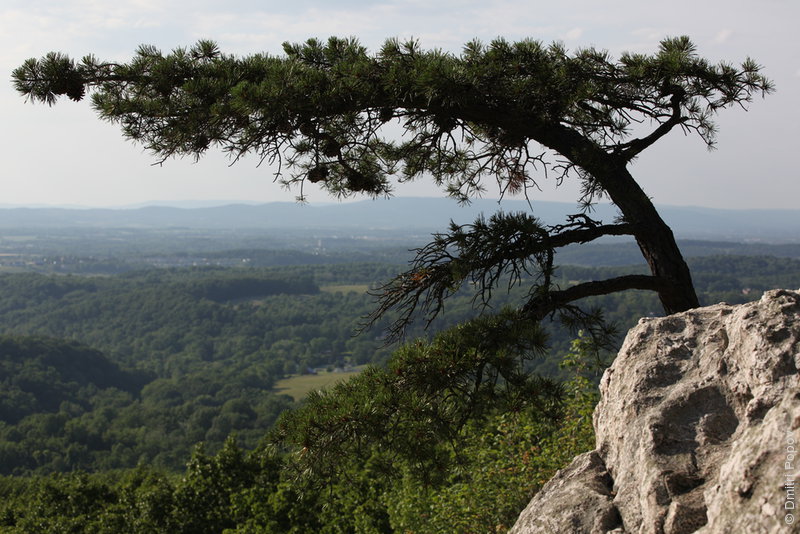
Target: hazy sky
column 65, row 155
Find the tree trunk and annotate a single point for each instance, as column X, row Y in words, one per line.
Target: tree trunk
column 654, row 237
column 655, row 240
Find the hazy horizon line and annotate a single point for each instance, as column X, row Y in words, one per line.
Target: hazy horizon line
column 209, row 203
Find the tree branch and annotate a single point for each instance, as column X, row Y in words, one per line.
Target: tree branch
column 485, row 252
column 584, row 235
column 633, row 148
column 548, row 302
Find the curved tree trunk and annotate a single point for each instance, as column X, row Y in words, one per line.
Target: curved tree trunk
column 654, row 237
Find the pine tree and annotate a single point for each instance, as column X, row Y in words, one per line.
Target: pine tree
column 328, row 113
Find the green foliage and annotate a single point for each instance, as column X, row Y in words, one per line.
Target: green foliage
column 177, row 367
column 205, row 369
column 204, row 314
column 422, row 399
column 503, row 458
column 322, row 104
column 57, row 416
column 232, row 492
column 503, row 461
column 424, row 445
column 39, row 374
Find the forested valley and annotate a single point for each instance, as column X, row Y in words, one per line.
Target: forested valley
column 141, row 400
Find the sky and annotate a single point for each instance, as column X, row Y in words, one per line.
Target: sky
column 65, row 155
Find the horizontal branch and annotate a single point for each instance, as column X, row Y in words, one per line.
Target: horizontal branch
column 544, row 304
column 584, row 235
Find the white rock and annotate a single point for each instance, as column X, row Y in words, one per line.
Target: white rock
column 694, row 429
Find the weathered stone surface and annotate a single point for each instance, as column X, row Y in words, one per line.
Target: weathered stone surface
column 696, row 428
column 584, row 481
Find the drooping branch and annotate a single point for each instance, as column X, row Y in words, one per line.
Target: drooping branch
column 504, row 249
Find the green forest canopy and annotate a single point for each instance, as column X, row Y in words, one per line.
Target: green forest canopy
column 170, row 353
column 161, row 386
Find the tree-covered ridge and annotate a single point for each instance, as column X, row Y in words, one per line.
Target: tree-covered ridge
column 179, row 367
column 199, row 351
column 106, row 419
column 39, row 374
column 66, row 407
column 142, row 319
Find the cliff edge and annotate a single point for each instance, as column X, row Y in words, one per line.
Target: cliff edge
column 697, row 430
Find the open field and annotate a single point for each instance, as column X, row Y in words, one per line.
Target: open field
column 298, row 386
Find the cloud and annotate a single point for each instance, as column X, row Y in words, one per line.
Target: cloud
column 650, row 34
column 722, row 36
column 573, row 34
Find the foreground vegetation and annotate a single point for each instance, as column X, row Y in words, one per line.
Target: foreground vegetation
column 508, row 457
column 110, row 383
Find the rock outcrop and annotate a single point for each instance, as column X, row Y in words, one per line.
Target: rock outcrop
column 697, row 430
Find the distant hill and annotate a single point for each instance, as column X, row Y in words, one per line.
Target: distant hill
column 412, row 214
column 39, row 374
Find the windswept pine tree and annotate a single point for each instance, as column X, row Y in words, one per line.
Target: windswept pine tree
column 512, row 113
